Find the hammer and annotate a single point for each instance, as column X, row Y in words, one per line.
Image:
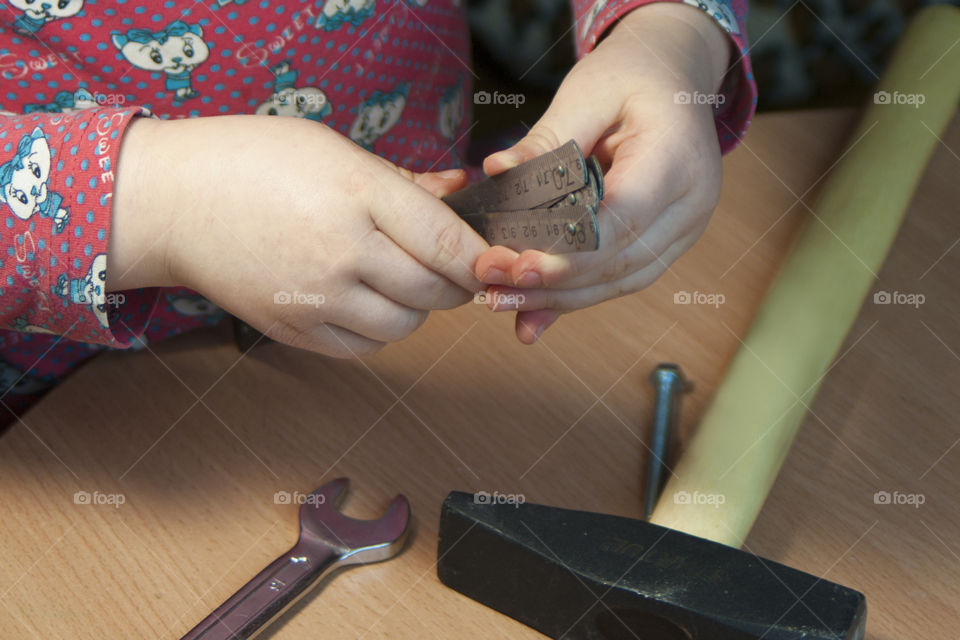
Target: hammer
column 681, row 576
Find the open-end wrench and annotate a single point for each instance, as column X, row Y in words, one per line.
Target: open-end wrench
column 328, row 540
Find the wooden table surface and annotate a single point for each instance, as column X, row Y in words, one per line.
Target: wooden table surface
column 197, row 440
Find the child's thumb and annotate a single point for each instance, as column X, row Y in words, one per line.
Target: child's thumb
column 558, row 125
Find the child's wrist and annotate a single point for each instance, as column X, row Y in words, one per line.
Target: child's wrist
column 683, row 39
column 136, row 253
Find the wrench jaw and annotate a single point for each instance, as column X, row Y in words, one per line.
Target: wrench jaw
column 393, row 530
column 325, row 501
column 356, row 541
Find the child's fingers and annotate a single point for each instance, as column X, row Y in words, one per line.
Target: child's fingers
column 634, row 201
column 673, row 224
column 676, row 224
column 439, row 183
column 401, row 278
column 328, row 339
column 494, row 265
column 574, row 113
column 530, row 325
column 442, row 183
column 533, row 268
column 430, row 231
column 372, row 315
column 525, row 300
column 536, row 269
column 641, row 189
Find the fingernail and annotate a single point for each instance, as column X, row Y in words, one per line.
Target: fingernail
column 539, row 331
column 529, row 279
column 494, row 276
column 449, row 174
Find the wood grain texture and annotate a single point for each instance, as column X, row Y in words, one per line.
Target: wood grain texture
column 198, row 440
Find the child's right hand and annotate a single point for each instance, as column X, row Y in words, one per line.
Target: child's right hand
column 244, row 208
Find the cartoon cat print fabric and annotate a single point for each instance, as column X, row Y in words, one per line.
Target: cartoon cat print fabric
column 388, row 74
column 176, row 50
column 289, row 100
column 23, row 182
column 450, row 111
column 89, row 290
column 64, row 101
column 336, row 13
column 37, row 13
column 719, row 11
column 377, row 114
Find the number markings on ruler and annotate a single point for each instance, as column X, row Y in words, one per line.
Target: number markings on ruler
column 548, row 203
column 555, row 230
column 526, row 186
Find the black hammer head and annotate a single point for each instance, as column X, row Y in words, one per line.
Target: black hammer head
column 588, row 576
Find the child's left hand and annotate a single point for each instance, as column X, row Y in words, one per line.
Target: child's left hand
column 624, row 102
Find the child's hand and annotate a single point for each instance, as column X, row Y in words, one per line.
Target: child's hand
column 624, row 102
column 290, row 226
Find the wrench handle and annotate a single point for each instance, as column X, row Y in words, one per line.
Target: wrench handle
column 266, row 596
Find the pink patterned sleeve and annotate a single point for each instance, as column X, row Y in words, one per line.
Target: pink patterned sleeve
column 56, row 188
column 739, row 91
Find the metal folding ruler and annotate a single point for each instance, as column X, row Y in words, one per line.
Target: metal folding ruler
column 548, row 203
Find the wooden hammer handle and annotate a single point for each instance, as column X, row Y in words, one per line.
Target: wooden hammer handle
column 732, row 461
